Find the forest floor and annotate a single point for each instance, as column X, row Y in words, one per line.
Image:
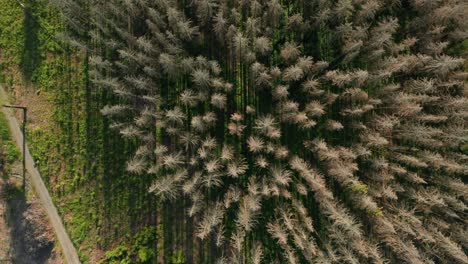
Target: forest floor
column 6, row 253
column 67, row 246
column 26, row 237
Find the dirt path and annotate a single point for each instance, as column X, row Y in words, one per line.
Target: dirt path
column 69, row 252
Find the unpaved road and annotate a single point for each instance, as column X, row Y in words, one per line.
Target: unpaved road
column 68, row 250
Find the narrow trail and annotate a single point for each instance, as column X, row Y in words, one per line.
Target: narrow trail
column 68, row 250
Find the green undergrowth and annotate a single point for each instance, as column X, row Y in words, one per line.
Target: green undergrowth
column 138, row 251
column 77, row 154
column 6, row 142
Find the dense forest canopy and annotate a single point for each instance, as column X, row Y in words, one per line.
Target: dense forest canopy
column 288, row 131
column 299, row 131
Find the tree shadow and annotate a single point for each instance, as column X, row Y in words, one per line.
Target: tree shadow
column 29, row 245
column 30, row 55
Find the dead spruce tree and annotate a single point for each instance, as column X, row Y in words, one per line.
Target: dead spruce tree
column 297, row 131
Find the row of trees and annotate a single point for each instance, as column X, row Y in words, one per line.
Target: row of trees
column 289, row 131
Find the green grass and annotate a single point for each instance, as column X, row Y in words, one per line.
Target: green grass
column 6, row 142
